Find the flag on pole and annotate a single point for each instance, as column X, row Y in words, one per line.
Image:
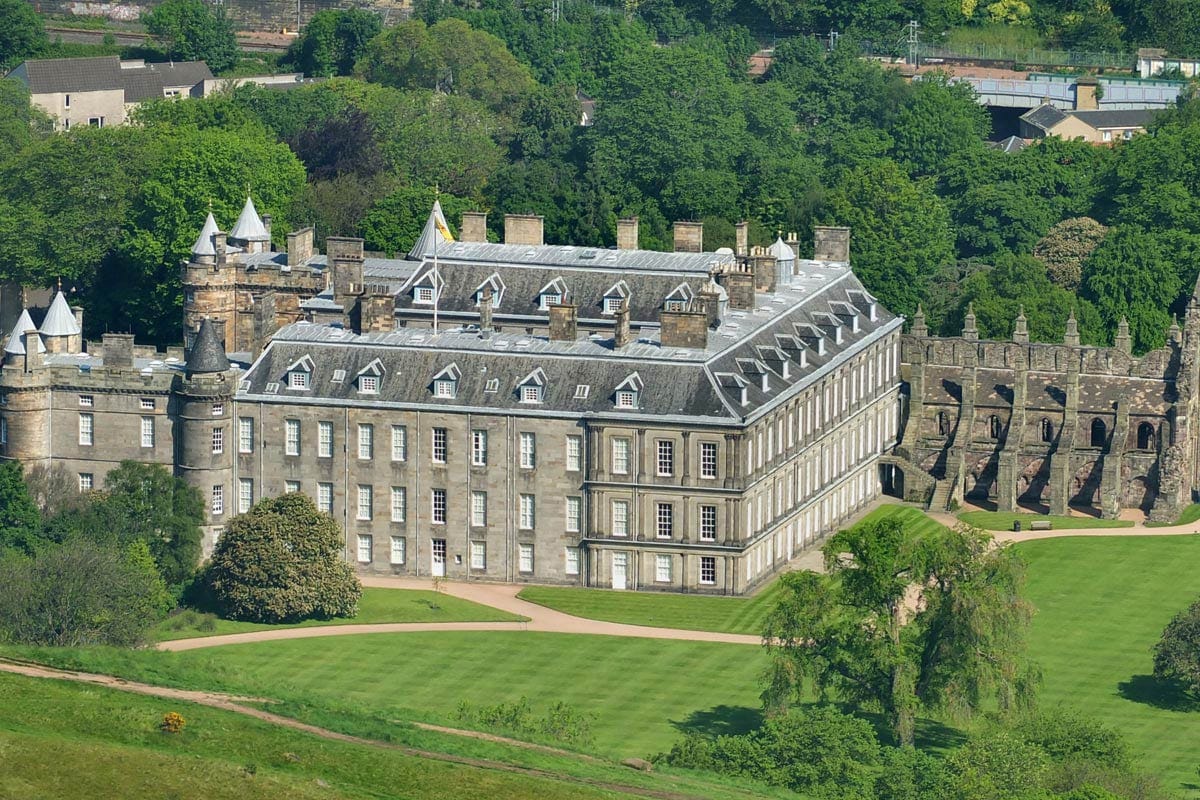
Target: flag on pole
column 442, row 229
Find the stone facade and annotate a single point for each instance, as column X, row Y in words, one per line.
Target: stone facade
column 1051, row 425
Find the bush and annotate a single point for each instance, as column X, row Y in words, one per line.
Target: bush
column 79, row 594
column 282, row 562
column 561, row 722
column 172, row 722
column 1177, row 654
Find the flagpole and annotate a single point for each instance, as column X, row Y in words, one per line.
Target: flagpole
column 437, row 290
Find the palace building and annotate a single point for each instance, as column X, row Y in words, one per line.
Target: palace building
column 518, row 411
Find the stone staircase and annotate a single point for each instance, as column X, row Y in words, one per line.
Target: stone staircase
column 943, row 493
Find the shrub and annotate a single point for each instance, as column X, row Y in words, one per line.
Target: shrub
column 172, row 722
column 282, row 562
column 80, row 593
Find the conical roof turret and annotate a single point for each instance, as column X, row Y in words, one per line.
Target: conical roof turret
column 250, row 227
column 204, row 245
column 207, row 354
column 16, row 340
column 60, row 319
column 435, row 227
column 782, row 250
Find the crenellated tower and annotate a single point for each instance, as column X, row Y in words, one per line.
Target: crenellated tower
column 209, row 285
column 25, row 394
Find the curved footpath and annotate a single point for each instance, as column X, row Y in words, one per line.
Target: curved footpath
column 497, row 595
column 548, row 620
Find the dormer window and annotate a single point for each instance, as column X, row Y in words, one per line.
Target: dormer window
column 612, row 305
column 445, row 383
column 552, row 294
column 629, row 393
column 674, row 305
column 495, row 285
column 299, row 374
column 423, row 294
column 367, row 379
column 495, row 298
column 617, row 294
column 532, row 388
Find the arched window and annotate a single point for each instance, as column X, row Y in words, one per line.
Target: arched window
column 1099, row 432
column 1145, row 440
column 943, row 423
column 1046, row 430
column 994, row 426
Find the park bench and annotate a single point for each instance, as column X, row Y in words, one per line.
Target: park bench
column 1040, row 525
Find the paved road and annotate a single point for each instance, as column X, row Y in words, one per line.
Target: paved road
column 502, row 596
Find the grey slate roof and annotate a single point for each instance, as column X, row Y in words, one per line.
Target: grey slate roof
column 204, row 245
column 16, row 340
column 60, row 320
column 53, row 75
column 679, row 383
column 1013, row 144
column 250, row 227
column 1137, row 118
column 61, row 75
column 552, row 255
column 208, row 354
column 1044, row 117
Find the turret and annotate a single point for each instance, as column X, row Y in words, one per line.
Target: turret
column 1124, row 342
column 1071, row 337
column 969, row 331
column 918, row 327
column 207, row 438
column 60, row 329
column 251, row 233
column 209, row 284
column 25, row 414
column 1021, row 328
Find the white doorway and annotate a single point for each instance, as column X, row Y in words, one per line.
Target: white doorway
column 620, row 569
column 439, row 558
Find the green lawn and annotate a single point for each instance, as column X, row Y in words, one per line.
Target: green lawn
column 377, row 605
column 1102, row 604
column 1003, row 520
column 690, row 612
column 102, row 743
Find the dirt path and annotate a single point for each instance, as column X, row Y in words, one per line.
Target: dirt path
column 227, row 702
column 950, row 520
column 496, row 595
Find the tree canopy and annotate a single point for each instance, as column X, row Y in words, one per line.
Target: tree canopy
column 191, row 30
column 902, row 623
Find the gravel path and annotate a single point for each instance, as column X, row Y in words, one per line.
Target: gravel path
column 496, row 595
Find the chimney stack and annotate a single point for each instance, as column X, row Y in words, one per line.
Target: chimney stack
column 33, row 349
column 564, row 322
column 831, row 243
column 627, row 234
column 118, row 350
column 739, row 285
column 219, row 242
column 266, row 218
column 377, row 311
column 742, row 246
column 474, row 226
column 621, row 334
column 523, row 229
column 299, row 246
column 485, row 310
column 687, row 328
column 689, row 237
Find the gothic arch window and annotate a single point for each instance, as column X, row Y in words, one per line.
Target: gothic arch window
column 1145, row 436
column 943, row 424
column 1046, row 429
column 994, row 426
column 1099, row 432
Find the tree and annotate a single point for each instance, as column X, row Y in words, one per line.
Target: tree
column 192, row 31
column 21, row 123
column 901, row 232
column 1129, row 276
column 20, row 522
column 394, row 222
column 54, row 489
column 333, row 41
column 22, row 34
column 939, row 119
column 346, row 143
column 78, row 594
column 1066, row 246
column 145, row 502
column 282, row 562
column 999, row 217
column 1177, row 653
column 903, row 622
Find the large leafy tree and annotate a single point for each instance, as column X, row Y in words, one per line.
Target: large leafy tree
column 1129, row 276
column 333, row 41
column 1177, row 652
column 20, row 522
column 145, row 502
column 939, row 119
column 81, row 593
column 1066, row 246
column 22, row 34
column 900, row 231
column 191, row 30
column 903, row 622
column 282, row 562
column 394, row 222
